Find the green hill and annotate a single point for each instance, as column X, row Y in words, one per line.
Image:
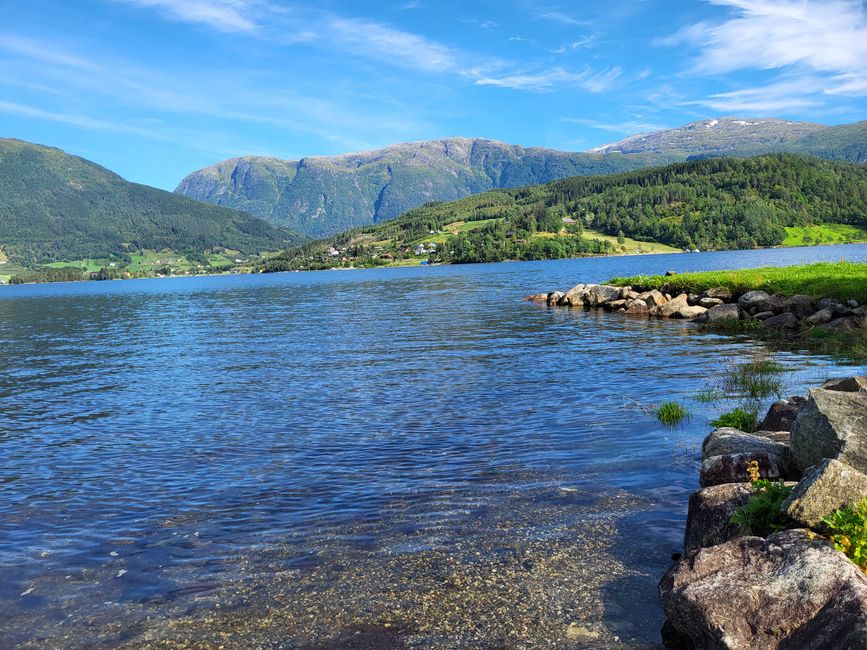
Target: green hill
column 54, row 206
column 709, row 204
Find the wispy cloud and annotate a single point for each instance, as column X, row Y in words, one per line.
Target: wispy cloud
column 780, row 97
column 556, row 16
column 583, row 42
column 223, row 15
column 629, row 127
column 587, row 79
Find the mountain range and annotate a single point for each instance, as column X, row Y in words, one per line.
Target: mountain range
column 55, row 206
column 320, row 196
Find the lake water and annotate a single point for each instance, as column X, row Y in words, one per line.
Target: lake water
column 385, row 458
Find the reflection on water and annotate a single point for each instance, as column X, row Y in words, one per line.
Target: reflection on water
column 296, row 456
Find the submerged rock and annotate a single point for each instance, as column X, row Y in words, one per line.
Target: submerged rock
column 823, row 489
column 554, row 298
column 832, row 424
column 789, row 591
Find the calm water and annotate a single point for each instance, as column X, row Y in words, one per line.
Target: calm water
column 164, row 442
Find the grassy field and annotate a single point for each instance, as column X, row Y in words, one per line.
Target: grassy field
column 630, row 246
column 841, row 280
column 831, row 233
column 451, row 229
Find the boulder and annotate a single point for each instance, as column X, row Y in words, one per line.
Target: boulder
column 763, row 315
column 671, row 307
column 732, row 468
column 846, row 323
column 785, row 321
column 614, row 305
column 554, row 297
column 847, row 384
column 598, row 294
column 823, row 489
column 729, row 311
column 852, row 304
column 820, row 317
column 717, row 292
column 777, row 304
column 536, row 297
column 575, row 296
column 836, row 307
column 728, row 440
column 707, row 303
column 670, row 273
column 800, row 305
column 637, row 306
column 629, row 295
column 754, row 301
column 653, row 298
column 789, row 591
column 710, row 511
column 781, row 414
column 689, row 312
column 832, row 424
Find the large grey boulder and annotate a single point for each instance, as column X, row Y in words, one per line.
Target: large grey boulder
column 728, row 311
column 554, row 298
column 823, row 489
column 820, row 317
column 668, row 309
column 717, row 292
column 786, row 592
column 754, row 301
column 598, row 294
column 710, row 512
column 707, row 303
column 800, row 305
column 786, row 320
column 842, row 324
column 832, row 424
column 575, row 296
column 782, row 414
column 777, row 304
column 637, row 306
column 689, row 312
column 536, row 297
column 728, row 440
column 732, row 468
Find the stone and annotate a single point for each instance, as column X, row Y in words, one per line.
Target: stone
column 575, row 296
column 717, row 292
column 670, row 308
column 844, row 324
column 536, row 297
column 707, row 303
column 652, row 298
column 728, row 311
column 838, row 308
column 554, row 298
column 847, row 384
column 784, row 321
column 668, row 274
column 732, row 468
column 823, row 489
column 630, row 295
column 763, row 315
column 710, row 511
column 852, row 304
column 800, row 305
column 689, row 312
column 637, row 306
column 754, row 301
column 790, row 591
column 781, row 414
column 728, row 440
column 832, row 424
column 598, row 294
column 777, row 304
column 614, row 305
column 820, row 317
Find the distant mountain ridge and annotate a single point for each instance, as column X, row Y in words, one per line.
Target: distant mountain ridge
column 324, row 195
column 55, row 206
column 320, row 196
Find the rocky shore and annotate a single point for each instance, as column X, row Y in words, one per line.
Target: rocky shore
column 765, row 311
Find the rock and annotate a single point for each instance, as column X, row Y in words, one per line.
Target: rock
column 674, row 640
column 860, row 312
column 789, row 591
column 763, row 315
column 668, row 274
column 832, row 424
column 846, row 323
column 629, row 295
column 732, row 468
column 692, row 299
column 847, row 384
column 728, row 440
column 637, row 306
column 799, row 305
column 671, row 307
column 652, row 298
column 777, row 304
column 777, row 436
column 710, row 511
column 598, row 294
column 717, row 292
column 754, row 301
column 838, row 308
column 536, row 297
column 820, row 317
column 614, row 305
column 689, row 312
column 786, row 321
column 554, row 298
column 729, row 311
column 781, row 414
column 852, row 304
column 823, row 489
column 575, row 296
column 707, row 303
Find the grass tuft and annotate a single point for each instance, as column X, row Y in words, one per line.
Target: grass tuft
column 671, row 413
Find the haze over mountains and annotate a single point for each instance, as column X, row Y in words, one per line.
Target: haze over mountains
column 324, row 195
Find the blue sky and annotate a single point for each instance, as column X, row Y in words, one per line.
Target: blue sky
column 154, row 89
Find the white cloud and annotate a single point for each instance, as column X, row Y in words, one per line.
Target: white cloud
column 629, row 127
column 780, row 97
column 223, row 15
column 595, row 82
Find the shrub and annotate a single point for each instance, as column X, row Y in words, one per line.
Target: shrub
column 849, row 532
column 761, row 514
column 739, row 419
column 671, row 413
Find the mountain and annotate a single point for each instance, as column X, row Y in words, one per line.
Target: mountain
column 717, row 136
column 325, row 195
column 55, row 206
column 709, row 203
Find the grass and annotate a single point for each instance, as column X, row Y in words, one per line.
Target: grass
column 840, row 280
column 671, row 413
column 740, row 419
column 630, row 246
column 829, row 233
column 755, row 379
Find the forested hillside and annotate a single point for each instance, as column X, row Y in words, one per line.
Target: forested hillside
column 710, row 204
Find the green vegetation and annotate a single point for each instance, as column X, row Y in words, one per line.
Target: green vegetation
column 842, row 280
column 755, row 379
column 739, row 418
column 671, row 413
column 761, row 514
column 828, row 233
column 849, row 532
column 58, row 208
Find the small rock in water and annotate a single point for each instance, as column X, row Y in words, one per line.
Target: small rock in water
column 121, row 573
column 114, row 554
column 28, row 591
